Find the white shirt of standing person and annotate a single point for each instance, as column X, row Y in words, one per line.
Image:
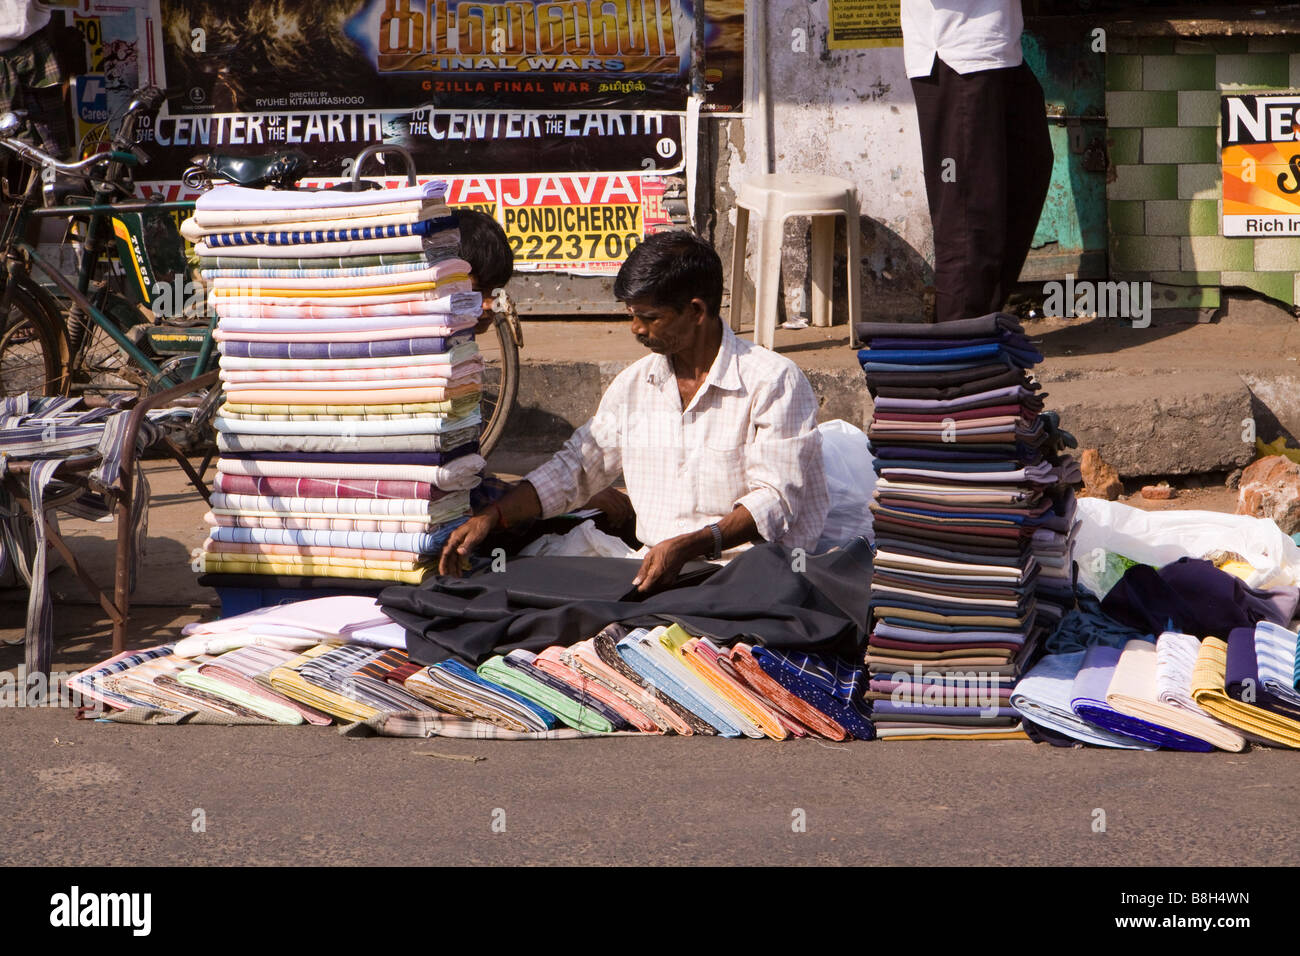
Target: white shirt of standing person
column 968, row 35
column 19, row 19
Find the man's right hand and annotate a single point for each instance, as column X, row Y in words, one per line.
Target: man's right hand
column 464, row 541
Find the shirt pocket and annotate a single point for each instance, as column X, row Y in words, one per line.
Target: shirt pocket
column 719, row 479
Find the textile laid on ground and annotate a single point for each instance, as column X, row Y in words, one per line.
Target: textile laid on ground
column 348, row 437
column 45, row 432
column 974, row 523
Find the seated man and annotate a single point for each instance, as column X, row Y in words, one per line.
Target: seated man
column 715, row 437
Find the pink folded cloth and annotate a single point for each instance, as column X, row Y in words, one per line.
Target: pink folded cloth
column 324, row 487
column 375, row 396
column 302, row 523
column 362, row 335
column 435, row 273
column 309, row 550
column 302, row 298
column 447, row 373
column 470, row 377
column 549, row 661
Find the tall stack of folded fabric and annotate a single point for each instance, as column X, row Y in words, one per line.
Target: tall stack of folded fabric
column 974, row 522
column 349, row 433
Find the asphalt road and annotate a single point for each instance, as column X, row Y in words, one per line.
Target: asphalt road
column 80, row 792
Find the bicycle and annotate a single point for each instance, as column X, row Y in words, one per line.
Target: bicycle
column 107, row 334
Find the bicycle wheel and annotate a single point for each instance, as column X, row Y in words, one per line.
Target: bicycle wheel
column 500, row 381
column 31, row 359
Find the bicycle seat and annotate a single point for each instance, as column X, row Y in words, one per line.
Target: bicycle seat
column 282, row 170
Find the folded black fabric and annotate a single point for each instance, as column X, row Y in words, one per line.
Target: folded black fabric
column 956, row 376
column 991, row 324
column 293, row 582
column 1191, row 595
column 766, row 595
column 919, row 386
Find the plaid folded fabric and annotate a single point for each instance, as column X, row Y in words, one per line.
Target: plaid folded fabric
column 799, row 709
column 90, row 682
column 831, row 689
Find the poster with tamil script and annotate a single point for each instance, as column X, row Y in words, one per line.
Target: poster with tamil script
column 862, row 24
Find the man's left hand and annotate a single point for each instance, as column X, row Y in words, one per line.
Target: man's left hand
column 662, row 563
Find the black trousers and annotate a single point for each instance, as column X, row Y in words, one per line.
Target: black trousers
column 988, row 162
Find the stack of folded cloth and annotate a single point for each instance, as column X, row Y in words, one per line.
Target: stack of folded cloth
column 349, row 432
column 974, row 522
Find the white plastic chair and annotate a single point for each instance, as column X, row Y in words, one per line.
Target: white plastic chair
column 773, row 199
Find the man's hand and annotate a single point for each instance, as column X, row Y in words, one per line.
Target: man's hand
column 662, row 563
column 464, row 541
column 484, row 323
column 616, row 506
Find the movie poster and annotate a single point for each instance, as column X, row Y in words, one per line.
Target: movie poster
column 229, row 56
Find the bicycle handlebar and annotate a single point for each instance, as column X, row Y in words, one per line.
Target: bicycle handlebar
column 37, row 157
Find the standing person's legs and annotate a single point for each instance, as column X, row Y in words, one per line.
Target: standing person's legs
column 1029, row 171
column 964, row 151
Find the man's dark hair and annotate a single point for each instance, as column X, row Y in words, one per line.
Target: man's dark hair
column 670, row 269
column 484, row 246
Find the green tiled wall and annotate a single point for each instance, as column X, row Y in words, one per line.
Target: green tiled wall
column 1164, row 209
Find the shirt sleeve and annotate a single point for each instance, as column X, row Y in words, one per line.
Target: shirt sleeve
column 588, row 462
column 783, row 460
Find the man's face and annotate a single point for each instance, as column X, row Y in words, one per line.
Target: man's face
column 661, row 328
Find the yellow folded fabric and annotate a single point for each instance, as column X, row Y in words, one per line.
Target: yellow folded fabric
column 734, row 694
column 212, row 563
column 1208, row 682
column 321, row 293
column 677, row 640
column 286, row 680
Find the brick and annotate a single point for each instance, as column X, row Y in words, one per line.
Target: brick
column 1126, row 218
column 1144, row 182
column 1282, row 255
column 1182, row 217
column 1198, row 108
column 1216, row 252
column 1142, row 109
column 1273, row 44
column 1124, row 146
column 1253, row 71
column 1156, row 45
column 1178, row 72
column 1200, row 181
column 1185, row 278
column 1123, row 72
column 1144, row 253
column 1189, row 144
column 1275, row 285
column 1184, row 297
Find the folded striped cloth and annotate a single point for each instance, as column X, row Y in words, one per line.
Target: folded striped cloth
column 1134, row 690
column 519, row 676
column 699, row 659
column 370, row 682
column 679, row 717
column 261, row 703
column 1044, row 696
column 657, row 666
column 319, row 687
column 90, row 682
column 1090, row 692
column 436, row 511
column 1208, row 690
column 552, row 661
column 453, row 687
column 241, row 669
column 586, row 661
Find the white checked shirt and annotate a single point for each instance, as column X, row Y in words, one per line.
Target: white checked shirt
column 748, row 437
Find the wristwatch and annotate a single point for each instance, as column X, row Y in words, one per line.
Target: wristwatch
column 717, row 541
